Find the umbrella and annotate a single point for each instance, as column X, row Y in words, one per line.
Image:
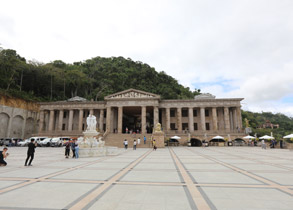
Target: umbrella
column 266, row 137
column 175, row 137
column 288, row 136
column 218, row 137
column 249, row 137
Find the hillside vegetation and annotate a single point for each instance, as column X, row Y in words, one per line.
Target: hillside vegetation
column 257, row 119
column 91, row 79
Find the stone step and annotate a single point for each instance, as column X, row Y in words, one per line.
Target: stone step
column 118, row 139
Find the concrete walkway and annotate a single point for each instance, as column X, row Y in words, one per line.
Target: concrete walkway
column 171, row 178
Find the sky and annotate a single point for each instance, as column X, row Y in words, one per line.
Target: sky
column 238, row 49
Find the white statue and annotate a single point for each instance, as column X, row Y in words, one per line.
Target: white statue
column 91, row 122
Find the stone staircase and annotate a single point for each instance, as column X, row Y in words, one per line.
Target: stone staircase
column 116, row 140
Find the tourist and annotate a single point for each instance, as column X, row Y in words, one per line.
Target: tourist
column 154, row 145
column 263, row 144
column 67, row 149
column 134, row 144
column 72, row 144
column 126, row 130
column 30, row 152
column 76, row 150
column 144, row 140
column 281, row 143
column 138, row 141
column 125, row 143
column 3, row 155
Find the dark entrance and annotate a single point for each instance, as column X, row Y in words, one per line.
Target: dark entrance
column 195, row 142
column 131, row 120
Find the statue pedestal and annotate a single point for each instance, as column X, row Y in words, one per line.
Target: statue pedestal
column 160, row 140
column 91, row 147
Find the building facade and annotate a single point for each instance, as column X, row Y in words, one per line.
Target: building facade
column 135, row 111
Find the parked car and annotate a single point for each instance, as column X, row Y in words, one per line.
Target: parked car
column 37, row 139
column 7, row 142
column 57, row 141
column 46, row 142
column 24, row 143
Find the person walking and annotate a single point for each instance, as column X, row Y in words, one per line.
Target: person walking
column 138, row 141
column 154, row 145
column 263, row 144
column 67, row 149
column 30, row 152
column 76, row 150
column 125, row 143
column 3, row 155
column 72, row 144
column 134, row 144
column 144, row 140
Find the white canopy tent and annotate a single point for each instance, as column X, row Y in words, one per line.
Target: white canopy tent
column 218, row 137
column 288, row 136
column 175, row 137
column 267, row 137
column 249, row 137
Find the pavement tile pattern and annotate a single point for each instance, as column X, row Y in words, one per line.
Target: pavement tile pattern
column 172, row 178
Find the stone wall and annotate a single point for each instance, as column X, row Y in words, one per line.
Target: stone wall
column 18, row 118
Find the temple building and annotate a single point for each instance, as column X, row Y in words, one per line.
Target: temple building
column 134, row 113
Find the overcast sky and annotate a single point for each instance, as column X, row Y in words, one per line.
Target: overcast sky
column 240, row 48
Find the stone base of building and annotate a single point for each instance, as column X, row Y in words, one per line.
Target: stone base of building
column 160, row 139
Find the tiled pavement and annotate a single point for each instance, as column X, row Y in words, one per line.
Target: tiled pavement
column 171, row 178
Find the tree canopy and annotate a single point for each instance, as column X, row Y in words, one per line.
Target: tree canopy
column 92, row 79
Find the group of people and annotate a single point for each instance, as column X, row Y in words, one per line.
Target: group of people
column 30, row 154
column 136, row 143
column 73, row 145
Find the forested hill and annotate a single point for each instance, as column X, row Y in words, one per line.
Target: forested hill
column 256, row 120
column 91, row 79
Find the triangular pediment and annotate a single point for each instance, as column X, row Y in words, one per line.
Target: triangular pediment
column 132, row 94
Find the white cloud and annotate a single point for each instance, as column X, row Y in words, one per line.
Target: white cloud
column 229, row 48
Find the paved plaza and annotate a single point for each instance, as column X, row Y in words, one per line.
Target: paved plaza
column 178, row 178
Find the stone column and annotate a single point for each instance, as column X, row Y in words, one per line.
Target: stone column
column 101, row 123
column 24, row 125
column 108, row 120
column 179, row 120
column 70, row 120
column 60, row 120
column 91, row 111
column 202, row 119
column 51, row 120
column 120, row 119
column 167, row 119
column 156, row 115
column 235, row 121
column 143, row 119
column 226, row 119
column 80, row 120
column 41, row 122
column 239, row 117
column 215, row 119
column 190, row 120
column 10, row 123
